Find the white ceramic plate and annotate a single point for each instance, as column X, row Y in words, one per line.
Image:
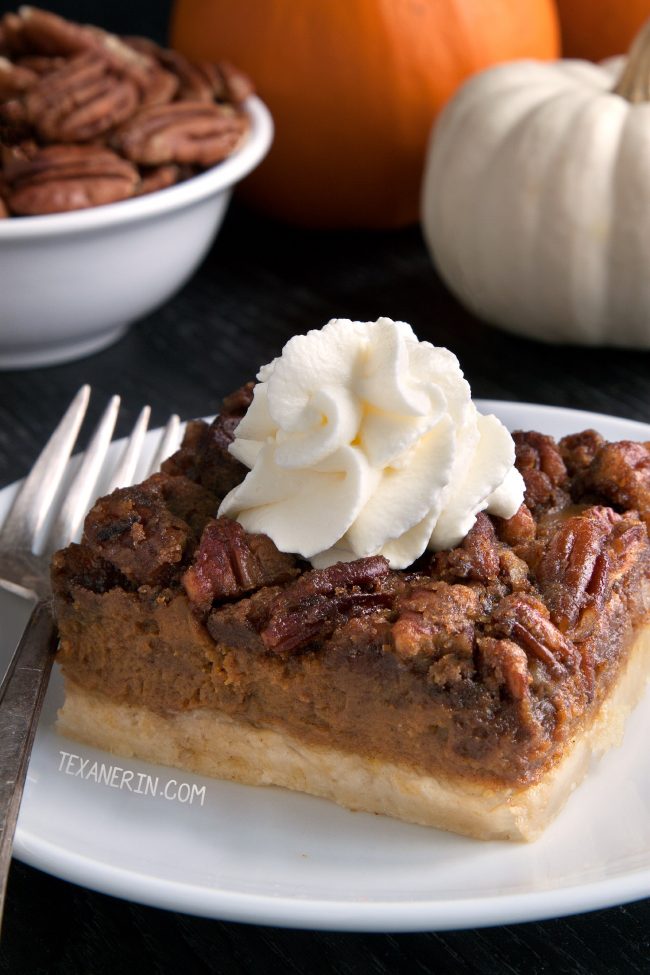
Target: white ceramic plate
column 274, row 857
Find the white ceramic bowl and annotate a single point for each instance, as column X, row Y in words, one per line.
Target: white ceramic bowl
column 71, row 283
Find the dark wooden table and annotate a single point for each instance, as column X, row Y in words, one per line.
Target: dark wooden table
column 261, row 283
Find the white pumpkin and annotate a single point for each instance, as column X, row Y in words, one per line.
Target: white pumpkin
column 536, row 198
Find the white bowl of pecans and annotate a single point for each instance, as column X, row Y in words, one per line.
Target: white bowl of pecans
column 117, row 163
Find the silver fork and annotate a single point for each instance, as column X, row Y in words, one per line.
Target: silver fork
column 38, row 523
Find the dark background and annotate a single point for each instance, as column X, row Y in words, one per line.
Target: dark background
column 261, row 283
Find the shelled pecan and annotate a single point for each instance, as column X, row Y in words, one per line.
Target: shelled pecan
column 158, row 178
column 14, row 79
column 60, row 178
column 193, row 133
column 81, row 101
column 63, row 83
column 202, row 81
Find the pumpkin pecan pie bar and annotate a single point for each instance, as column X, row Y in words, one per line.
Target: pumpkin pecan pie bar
column 466, row 692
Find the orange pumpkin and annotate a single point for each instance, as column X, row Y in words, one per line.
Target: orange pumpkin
column 596, row 29
column 354, row 86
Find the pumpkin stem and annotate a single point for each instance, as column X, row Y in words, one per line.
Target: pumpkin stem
column 634, row 83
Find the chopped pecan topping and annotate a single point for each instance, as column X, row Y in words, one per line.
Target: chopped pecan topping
column 620, row 473
column 436, row 620
column 525, row 620
column 518, row 530
column 542, row 468
column 477, row 557
column 312, row 607
column 203, row 455
column 513, row 571
column 505, row 664
column 60, row 178
column 78, row 565
column 229, row 562
column 149, row 530
column 195, row 133
column 579, row 449
column 628, row 534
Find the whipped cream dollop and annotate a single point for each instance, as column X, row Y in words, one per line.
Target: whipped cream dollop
column 361, row 440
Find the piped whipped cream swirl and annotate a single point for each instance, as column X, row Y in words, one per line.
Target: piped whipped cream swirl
column 361, row 440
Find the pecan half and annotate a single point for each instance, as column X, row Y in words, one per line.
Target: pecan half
column 12, row 40
column 574, row 569
column 14, row 127
column 183, row 132
column 14, row 79
column 40, row 63
column 202, row 81
column 61, row 178
column 237, row 86
column 312, row 607
column 80, row 101
column 155, row 85
column 229, row 562
column 158, row 178
column 196, row 81
column 42, row 32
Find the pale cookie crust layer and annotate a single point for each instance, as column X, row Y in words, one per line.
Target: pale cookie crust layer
column 211, row 743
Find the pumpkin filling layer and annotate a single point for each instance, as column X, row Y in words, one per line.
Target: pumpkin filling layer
column 479, row 665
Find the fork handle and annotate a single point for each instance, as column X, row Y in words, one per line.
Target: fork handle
column 21, row 699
